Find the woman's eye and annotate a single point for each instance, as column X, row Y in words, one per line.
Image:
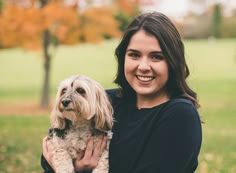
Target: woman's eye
column 80, row 90
column 133, row 55
column 157, row 57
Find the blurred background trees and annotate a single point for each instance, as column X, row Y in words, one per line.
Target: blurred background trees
column 125, row 12
column 216, row 20
column 41, row 24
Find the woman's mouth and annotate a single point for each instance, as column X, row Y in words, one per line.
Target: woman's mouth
column 144, row 78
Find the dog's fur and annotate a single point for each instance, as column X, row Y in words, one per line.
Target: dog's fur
column 82, row 109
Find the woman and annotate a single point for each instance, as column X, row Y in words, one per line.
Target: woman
column 157, row 126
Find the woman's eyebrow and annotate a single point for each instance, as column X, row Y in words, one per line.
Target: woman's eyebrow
column 157, row 52
column 132, row 50
column 153, row 52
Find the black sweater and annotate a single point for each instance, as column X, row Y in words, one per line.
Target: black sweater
column 163, row 139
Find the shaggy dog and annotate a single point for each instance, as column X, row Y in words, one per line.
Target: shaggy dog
column 82, row 109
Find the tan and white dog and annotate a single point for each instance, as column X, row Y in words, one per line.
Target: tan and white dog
column 82, row 109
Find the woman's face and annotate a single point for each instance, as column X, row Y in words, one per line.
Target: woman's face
column 145, row 67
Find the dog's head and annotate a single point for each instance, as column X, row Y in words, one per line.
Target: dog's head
column 81, row 98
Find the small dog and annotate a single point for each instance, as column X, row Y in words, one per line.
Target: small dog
column 82, row 109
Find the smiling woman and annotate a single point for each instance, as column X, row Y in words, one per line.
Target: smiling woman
column 157, row 126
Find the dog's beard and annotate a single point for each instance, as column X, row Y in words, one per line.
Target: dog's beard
column 70, row 115
column 74, row 116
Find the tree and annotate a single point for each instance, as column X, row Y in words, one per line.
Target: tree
column 216, row 21
column 126, row 10
column 47, row 60
column 40, row 23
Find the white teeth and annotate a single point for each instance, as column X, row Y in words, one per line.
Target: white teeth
column 145, row 78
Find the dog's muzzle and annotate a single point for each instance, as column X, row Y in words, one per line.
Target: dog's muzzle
column 66, row 105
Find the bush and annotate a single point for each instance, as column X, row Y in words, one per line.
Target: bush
column 196, row 26
column 228, row 27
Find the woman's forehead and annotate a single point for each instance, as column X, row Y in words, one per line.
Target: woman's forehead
column 142, row 40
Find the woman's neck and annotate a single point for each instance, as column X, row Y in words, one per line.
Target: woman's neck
column 144, row 101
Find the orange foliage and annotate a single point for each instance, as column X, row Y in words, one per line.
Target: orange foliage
column 62, row 22
column 97, row 23
column 144, row 2
column 128, row 6
column 23, row 26
column 32, row 28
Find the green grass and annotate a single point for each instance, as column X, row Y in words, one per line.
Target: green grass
column 22, row 72
column 21, row 141
column 213, row 77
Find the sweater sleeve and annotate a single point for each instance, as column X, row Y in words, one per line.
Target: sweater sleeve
column 45, row 166
column 174, row 144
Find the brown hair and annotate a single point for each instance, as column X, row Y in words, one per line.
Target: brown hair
column 160, row 26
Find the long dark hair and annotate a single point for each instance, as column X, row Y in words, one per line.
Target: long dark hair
column 160, row 26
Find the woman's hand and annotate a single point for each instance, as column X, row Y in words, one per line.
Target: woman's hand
column 47, row 151
column 92, row 154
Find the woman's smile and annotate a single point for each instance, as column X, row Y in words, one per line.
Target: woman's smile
column 144, row 78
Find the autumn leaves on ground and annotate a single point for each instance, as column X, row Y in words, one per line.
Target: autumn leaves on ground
column 24, row 108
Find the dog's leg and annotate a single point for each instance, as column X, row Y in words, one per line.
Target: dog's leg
column 61, row 158
column 62, row 162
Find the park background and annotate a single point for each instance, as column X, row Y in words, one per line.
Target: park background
column 208, row 28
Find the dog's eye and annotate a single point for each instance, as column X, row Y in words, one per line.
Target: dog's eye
column 80, row 90
column 63, row 91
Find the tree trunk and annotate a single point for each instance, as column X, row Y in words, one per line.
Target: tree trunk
column 47, row 61
column 216, row 21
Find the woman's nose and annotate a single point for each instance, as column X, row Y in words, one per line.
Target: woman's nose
column 144, row 64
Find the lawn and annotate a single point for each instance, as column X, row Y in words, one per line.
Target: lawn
column 23, row 71
column 213, row 77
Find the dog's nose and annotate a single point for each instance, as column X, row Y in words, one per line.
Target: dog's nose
column 66, row 102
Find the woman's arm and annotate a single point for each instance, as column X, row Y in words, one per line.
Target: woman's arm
column 46, row 157
column 84, row 165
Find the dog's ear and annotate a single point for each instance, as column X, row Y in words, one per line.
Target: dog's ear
column 56, row 118
column 104, row 111
column 57, row 121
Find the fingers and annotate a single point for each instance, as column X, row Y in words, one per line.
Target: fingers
column 89, row 149
column 100, row 146
column 47, row 151
column 92, row 154
column 104, row 143
column 85, row 162
column 45, row 148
